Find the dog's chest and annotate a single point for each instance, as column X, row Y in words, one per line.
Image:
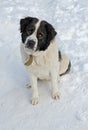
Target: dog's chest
column 40, row 68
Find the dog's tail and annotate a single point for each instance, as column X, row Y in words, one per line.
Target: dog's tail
column 65, row 64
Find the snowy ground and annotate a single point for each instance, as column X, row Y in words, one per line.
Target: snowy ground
column 70, row 18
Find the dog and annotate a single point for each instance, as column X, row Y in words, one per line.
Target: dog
column 41, row 56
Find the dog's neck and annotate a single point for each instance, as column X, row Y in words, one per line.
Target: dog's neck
column 41, row 56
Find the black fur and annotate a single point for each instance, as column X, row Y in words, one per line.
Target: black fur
column 27, row 21
column 59, row 55
column 25, row 25
column 49, row 33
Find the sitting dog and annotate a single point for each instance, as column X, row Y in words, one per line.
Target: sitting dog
column 41, row 56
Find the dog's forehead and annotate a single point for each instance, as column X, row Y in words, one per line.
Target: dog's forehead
column 37, row 25
column 33, row 22
column 40, row 26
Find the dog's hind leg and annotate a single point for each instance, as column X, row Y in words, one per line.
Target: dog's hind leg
column 65, row 64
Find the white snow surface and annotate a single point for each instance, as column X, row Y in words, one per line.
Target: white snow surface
column 70, row 19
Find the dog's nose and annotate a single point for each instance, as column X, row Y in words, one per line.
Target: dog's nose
column 30, row 44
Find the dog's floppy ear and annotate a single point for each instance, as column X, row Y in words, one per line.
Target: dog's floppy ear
column 24, row 22
column 51, row 33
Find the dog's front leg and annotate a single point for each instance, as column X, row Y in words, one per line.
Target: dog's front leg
column 54, row 84
column 35, row 96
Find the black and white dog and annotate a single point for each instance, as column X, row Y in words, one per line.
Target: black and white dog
column 40, row 54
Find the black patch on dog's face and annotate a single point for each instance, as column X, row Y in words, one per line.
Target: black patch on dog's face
column 27, row 27
column 45, row 34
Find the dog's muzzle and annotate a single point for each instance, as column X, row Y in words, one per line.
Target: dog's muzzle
column 30, row 44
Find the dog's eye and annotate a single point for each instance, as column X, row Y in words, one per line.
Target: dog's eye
column 30, row 31
column 40, row 35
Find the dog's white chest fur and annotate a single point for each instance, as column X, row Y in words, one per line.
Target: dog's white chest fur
column 43, row 62
column 40, row 71
column 40, row 67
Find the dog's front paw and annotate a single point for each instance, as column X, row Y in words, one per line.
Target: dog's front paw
column 56, row 95
column 28, row 85
column 35, row 100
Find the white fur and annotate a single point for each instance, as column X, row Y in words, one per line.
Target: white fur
column 34, row 38
column 45, row 65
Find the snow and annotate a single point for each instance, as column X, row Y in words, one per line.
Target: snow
column 69, row 17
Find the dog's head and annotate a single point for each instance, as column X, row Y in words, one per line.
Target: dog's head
column 36, row 35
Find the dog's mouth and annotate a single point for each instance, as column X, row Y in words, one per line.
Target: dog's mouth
column 30, row 51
